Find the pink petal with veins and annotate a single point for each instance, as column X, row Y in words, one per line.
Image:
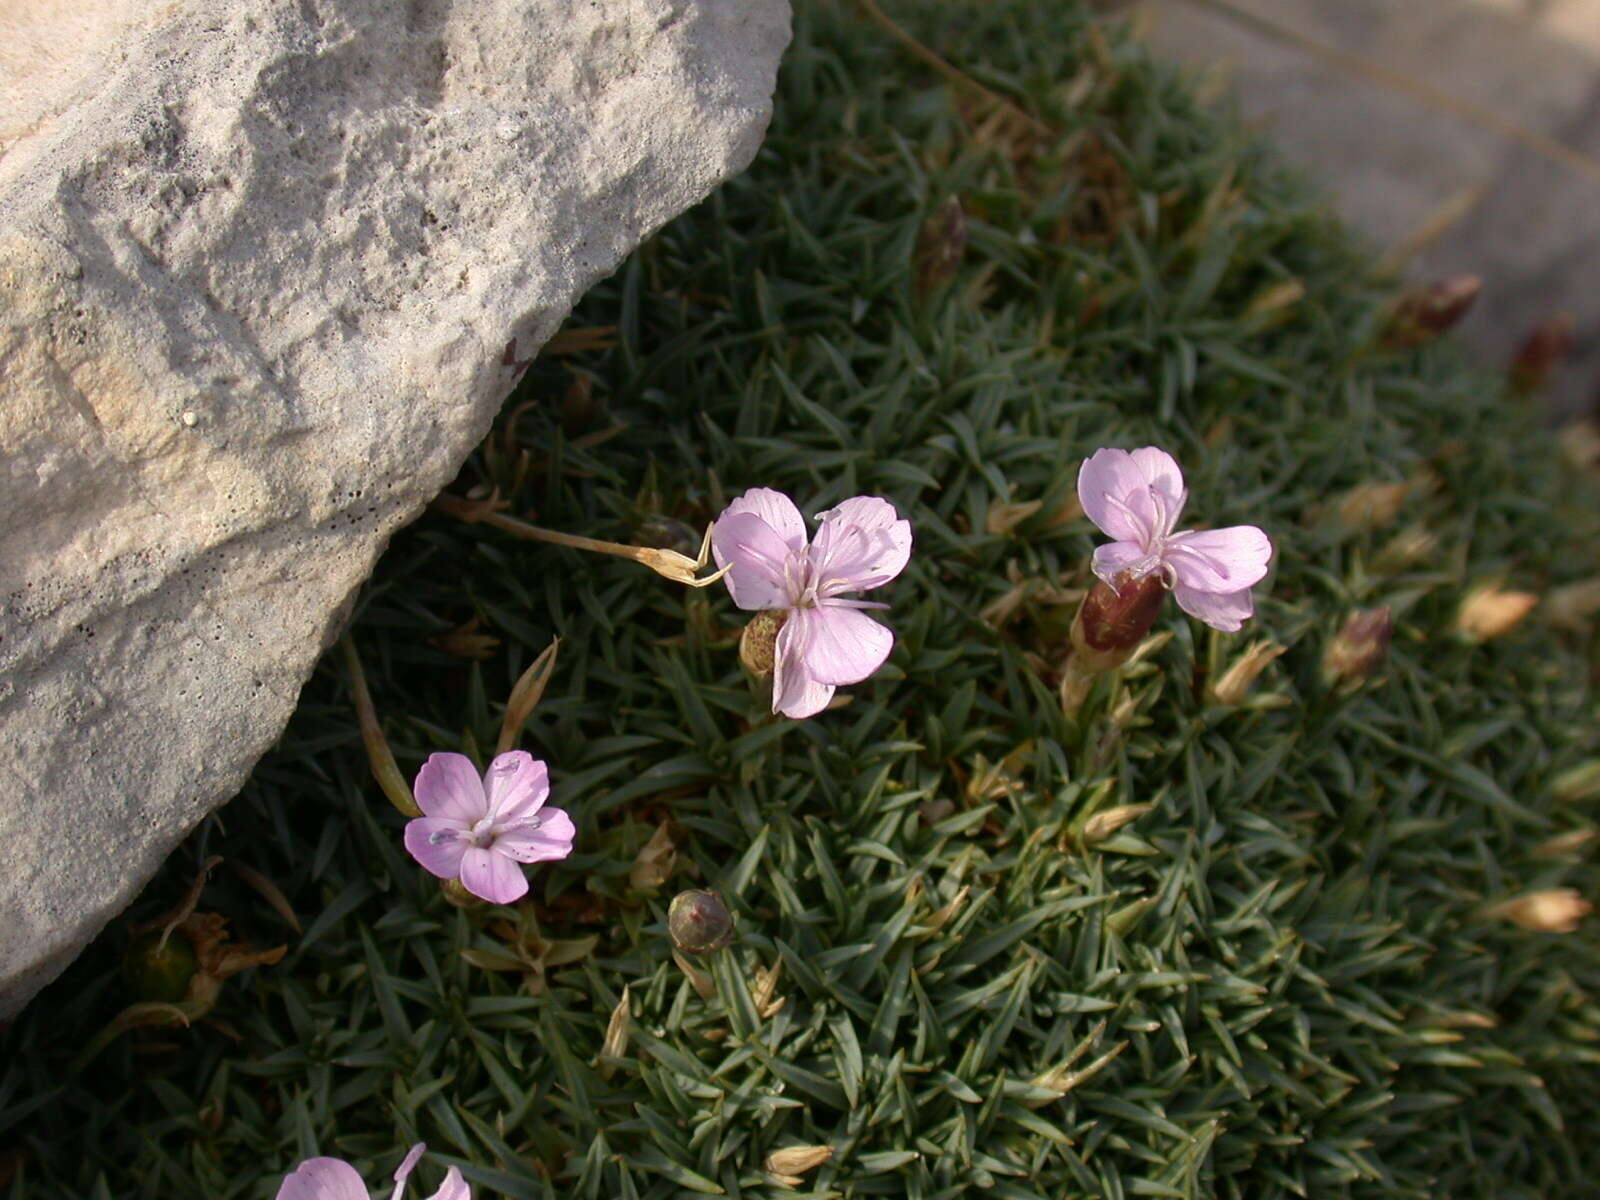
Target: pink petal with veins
column 516, row 784
column 777, row 511
column 492, row 876
column 437, row 844
column 759, row 557
column 449, row 786
column 841, row 645
column 1220, row 560
column 550, row 841
column 323, row 1179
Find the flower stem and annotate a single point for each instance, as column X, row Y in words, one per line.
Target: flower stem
column 679, row 568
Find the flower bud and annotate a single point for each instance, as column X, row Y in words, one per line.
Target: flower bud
column 159, row 966
column 758, row 644
column 797, row 1160
column 1564, row 844
column 699, row 922
column 1557, row 910
column 1406, row 549
column 1370, row 506
column 1359, row 649
column 1114, row 619
column 1488, row 612
column 1577, row 784
column 1237, row 680
column 1423, row 314
column 941, row 246
column 615, row 1044
column 1108, row 627
column 1103, row 824
column 1579, row 442
column 1573, row 605
column 1541, row 352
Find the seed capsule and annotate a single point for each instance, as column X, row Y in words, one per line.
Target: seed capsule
column 160, row 968
column 758, row 644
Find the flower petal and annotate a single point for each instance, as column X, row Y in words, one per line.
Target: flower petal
column 1220, row 560
column 1113, row 558
column 323, row 1179
column 794, row 692
column 517, row 784
column 437, row 844
column 449, row 786
column 760, row 556
column 1132, row 497
column 777, row 510
column 550, row 840
column 863, row 543
column 493, row 876
column 840, row 645
column 403, row 1171
column 453, row 1188
column 1227, row 611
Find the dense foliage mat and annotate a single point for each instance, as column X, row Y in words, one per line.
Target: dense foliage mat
column 1278, row 982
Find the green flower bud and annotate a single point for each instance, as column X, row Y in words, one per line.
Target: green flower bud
column 699, row 922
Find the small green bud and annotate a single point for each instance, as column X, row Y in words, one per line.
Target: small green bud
column 699, row 922
column 160, row 970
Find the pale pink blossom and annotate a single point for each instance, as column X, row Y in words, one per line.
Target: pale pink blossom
column 826, row 641
column 1135, row 498
column 480, row 830
column 335, row 1179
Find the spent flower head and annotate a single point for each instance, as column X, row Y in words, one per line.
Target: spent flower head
column 335, row 1179
column 1136, row 498
column 479, row 830
column 826, row 640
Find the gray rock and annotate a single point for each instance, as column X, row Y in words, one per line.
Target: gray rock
column 266, row 273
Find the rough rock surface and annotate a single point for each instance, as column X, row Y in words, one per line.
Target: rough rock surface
column 266, row 273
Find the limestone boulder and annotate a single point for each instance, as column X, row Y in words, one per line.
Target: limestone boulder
column 267, row 271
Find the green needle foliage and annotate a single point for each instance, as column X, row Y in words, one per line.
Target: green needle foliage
column 1278, row 982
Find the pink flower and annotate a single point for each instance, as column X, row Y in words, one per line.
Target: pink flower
column 335, row 1179
column 1136, row 498
column 479, row 830
column 825, row 641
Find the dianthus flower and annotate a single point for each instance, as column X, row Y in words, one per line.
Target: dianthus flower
column 1136, row 497
column 480, row 830
column 335, row 1179
column 825, row 641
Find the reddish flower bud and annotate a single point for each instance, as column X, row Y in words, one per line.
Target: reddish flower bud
column 1541, row 352
column 1423, row 314
column 1113, row 620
